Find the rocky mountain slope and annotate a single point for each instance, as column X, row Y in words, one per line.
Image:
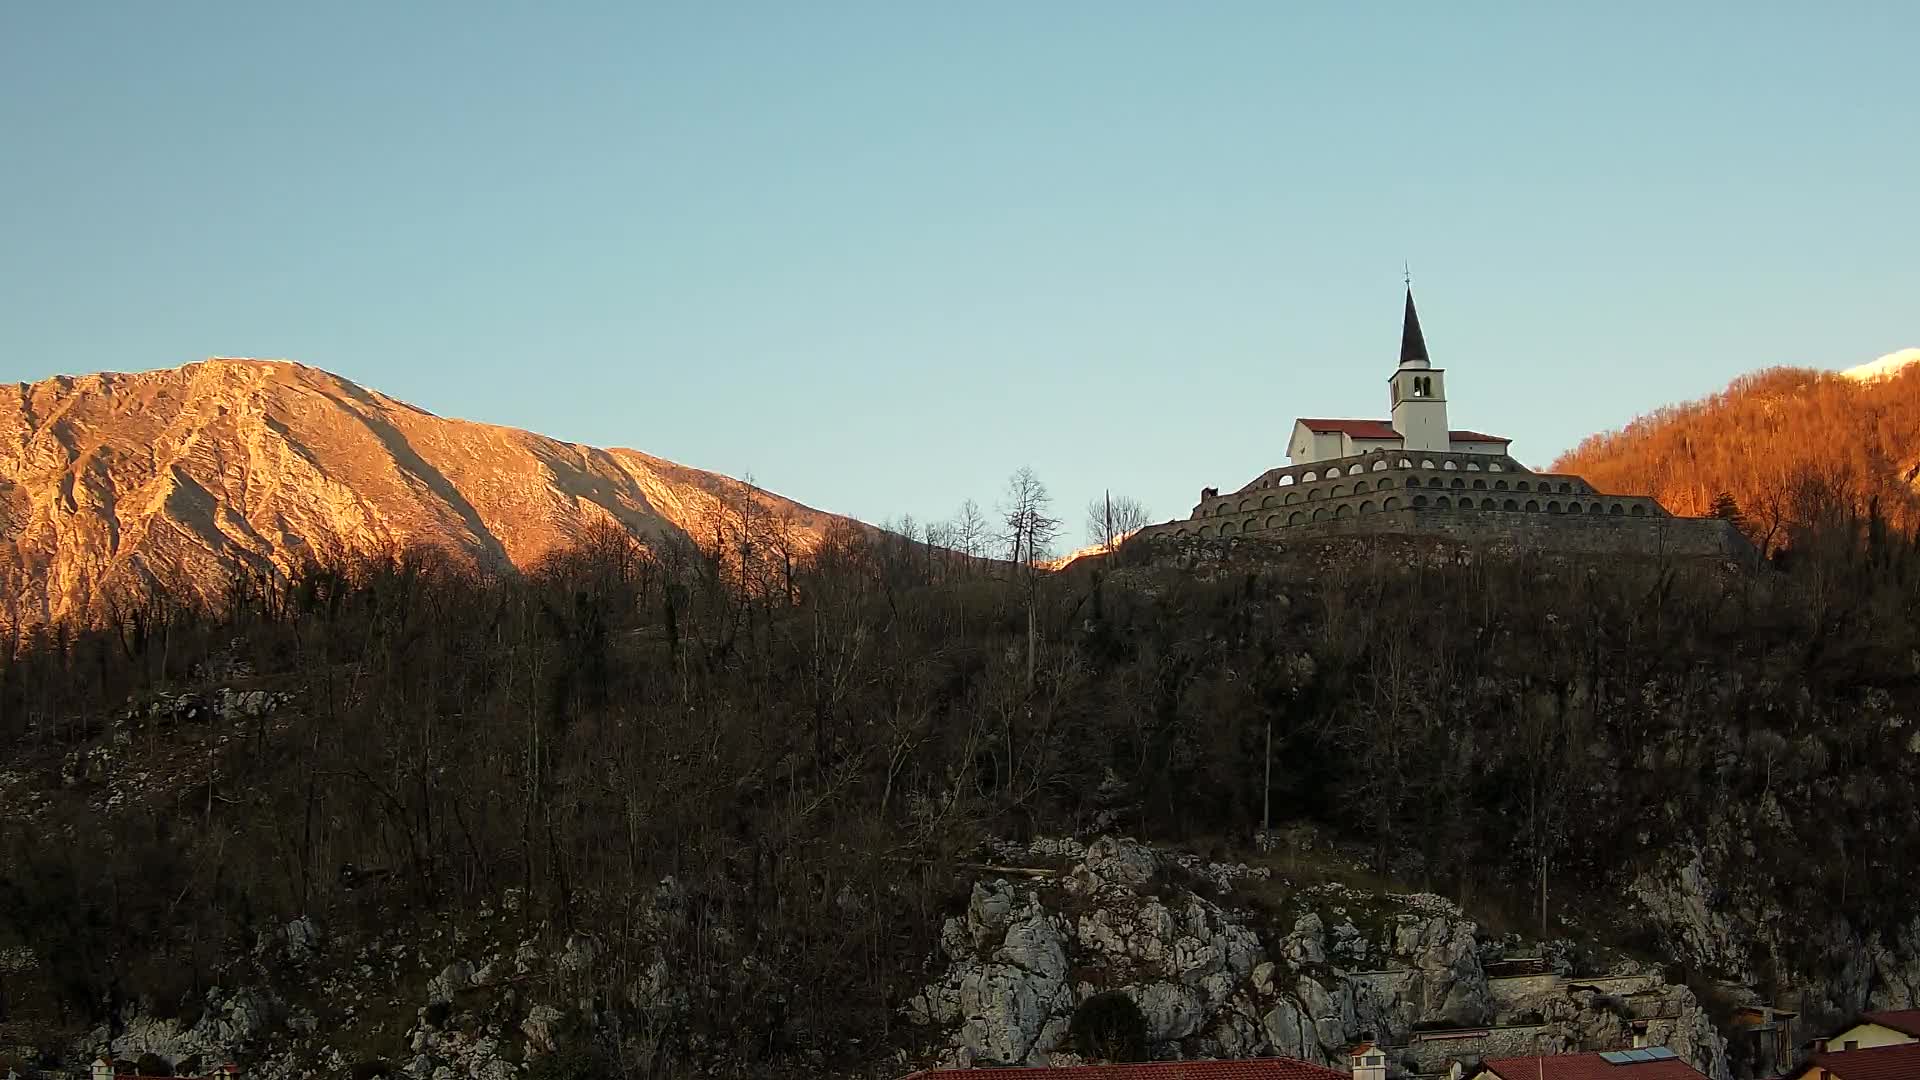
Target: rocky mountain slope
column 111, row 483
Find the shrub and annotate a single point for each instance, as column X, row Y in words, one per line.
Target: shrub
column 575, row 1061
column 152, row 1064
column 1109, row 1027
column 369, row 1070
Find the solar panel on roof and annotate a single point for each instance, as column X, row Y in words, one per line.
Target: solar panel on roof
column 1661, row 1053
column 1615, row 1057
column 1639, row 1055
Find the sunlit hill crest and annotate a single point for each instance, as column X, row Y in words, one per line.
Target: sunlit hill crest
column 1775, row 440
column 112, row 485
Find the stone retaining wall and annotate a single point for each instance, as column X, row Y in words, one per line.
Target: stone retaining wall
column 1587, row 533
column 1583, row 533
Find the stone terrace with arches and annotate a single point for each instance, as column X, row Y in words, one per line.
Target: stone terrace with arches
column 1388, row 480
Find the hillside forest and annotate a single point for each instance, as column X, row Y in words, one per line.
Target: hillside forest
column 1776, row 443
column 811, row 747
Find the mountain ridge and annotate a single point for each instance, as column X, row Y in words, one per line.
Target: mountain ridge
column 115, row 481
column 1785, row 444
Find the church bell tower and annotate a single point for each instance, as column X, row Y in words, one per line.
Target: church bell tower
column 1419, row 390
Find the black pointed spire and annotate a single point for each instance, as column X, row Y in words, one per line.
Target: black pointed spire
column 1413, row 344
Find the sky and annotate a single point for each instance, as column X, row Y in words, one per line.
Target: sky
column 880, row 255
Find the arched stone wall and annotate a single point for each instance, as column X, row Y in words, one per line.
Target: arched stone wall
column 1335, row 490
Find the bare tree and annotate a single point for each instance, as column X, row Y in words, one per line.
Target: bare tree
column 1029, row 536
column 1112, row 517
column 1029, row 530
column 970, row 530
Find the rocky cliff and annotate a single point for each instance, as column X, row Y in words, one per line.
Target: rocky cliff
column 1304, row 970
column 1220, row 960
column 113, row 483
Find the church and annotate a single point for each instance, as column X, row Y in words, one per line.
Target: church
column 1414, row 473
column 1418, row 419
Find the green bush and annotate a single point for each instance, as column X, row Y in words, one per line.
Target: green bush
column 1109, row 1027
column 152, row 1064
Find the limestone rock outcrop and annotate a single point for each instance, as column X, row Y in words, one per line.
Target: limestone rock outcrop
column 1210, row 980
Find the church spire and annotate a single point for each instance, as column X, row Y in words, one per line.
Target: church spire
column 1413, row 344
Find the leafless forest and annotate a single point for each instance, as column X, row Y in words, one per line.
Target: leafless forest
column 811, row 742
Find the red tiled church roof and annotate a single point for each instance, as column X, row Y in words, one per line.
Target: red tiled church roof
column 1359, row 429
column 1245, row 1069
column 1878, row 1063
column 1384, row 429
column 1589, row 1067
column 1905, row 1021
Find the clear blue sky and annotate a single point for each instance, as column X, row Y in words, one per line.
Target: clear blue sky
column 879, row 255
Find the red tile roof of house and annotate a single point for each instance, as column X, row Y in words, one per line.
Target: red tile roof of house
column 1359, row 429
column 1243, row 1069
column 1905, row 1021
column 1588, row 1067
column 1476, row 436
column 1878, row 1063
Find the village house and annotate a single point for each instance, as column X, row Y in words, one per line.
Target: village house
column 1764, row 1035
column 1877, row 1046
column 1649, row 1063
column 1897, row 1062
column 1897, row 1028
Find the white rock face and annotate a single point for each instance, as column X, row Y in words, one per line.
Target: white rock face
column 1347, row 965
column 1680, row 898
column 1006, row 988
column 1172, row 1012
column 230, row 1022
column 452, row 979
column 297, row 942
column 1122, row 863
column 539, row 1027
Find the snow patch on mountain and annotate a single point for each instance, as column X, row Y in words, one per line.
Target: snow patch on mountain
column 1884, row 368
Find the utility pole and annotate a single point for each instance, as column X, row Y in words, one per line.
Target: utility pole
column 1543, row 899
column 1266, row 790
